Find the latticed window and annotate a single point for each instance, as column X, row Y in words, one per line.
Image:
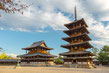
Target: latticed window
column 76, row 47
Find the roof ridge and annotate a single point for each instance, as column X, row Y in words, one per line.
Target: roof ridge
column 74, row 21
column 76, row 35
column 39, row 41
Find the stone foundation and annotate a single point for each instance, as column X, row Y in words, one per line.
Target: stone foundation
column 51, row 63
column 37, row 63
column 79, row 65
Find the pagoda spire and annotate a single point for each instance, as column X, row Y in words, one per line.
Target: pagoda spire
column 75, row 13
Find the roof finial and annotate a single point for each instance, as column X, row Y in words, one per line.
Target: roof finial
column 75, row 14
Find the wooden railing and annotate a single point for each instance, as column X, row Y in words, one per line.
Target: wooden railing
column 38, row 51
column 73, row 42
column 79, row 49
column 76, row 57
column 75, row 26
column 76, row 34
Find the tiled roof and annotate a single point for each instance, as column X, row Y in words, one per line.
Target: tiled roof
column 8, row 60
column 77, row 53
column 86, row 45
column 35, row 54
column 37, row 44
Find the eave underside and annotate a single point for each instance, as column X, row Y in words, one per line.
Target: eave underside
column 85, row 45
column 83, row 36
column 38, row 47
column 77, row 53
column 82, row 29
column 38, row 54
column 81, row 21
column 73, row 58
column 38, row 59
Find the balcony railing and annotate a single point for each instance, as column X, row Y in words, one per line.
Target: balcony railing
column 76, row 34
column 38, row 58
column 76, row 57
column 77, row 41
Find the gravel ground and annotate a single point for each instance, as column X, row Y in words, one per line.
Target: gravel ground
column 56, row 69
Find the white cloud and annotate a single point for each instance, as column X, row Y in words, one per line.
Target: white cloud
column 51, row 13
column 34, row 19
column 100, row 43
column 12, row 55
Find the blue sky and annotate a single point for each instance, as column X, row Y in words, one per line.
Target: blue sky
column 13, row 41
column 45, row 19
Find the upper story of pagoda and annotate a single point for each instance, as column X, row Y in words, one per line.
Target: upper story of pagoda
column 77, row 32
column 76, row 24
column 76, row 28
column 37, row 47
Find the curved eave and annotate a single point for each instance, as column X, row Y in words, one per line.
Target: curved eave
column 29, row 48
column 82, row 28
column 78, row 53
column 86, row 45
column 78, row 58
column 37, row 54
column 82, row 21
column 84, row 36
column 39, row 59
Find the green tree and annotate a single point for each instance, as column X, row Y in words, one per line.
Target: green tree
column 103, row 55
column 106, row 49
column 59, row 60
column 5, row 56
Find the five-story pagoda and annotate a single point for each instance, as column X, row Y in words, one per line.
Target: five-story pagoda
column 78, row 43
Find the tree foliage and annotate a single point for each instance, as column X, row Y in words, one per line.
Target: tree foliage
column 5, row 56
column 59, row 60
column 104, row 54
column 10, row 6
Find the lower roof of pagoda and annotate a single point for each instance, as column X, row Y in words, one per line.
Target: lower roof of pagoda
column 38, row 47
column 77, row 58
column 77, row 53
column 37, row 54
column 38, row 59
column 83, row 29
column 84, row 45
column 83, row 36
